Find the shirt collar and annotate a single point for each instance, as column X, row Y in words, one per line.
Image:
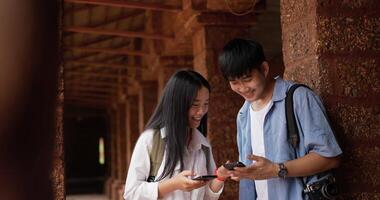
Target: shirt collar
column 197, row 139
column 279, row 93
column 280, row 89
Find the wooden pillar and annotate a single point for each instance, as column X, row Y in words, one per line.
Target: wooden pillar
column 58, row 173
column 224, row 104
column 28, row 93
column 113, row 152
column 168, row 65
column 333, row 46
column 148, row 100
column 133, row 121
column 122, row 142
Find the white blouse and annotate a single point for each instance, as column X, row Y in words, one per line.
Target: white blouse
column 136, row 186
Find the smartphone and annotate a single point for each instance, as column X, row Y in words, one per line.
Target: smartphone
column 230, row 166
column 203, row 177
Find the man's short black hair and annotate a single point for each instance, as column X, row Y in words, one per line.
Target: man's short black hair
column 239, row 57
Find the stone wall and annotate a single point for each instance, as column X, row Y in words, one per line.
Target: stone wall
column 333, row 46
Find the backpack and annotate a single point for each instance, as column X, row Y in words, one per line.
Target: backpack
column 156, row 155
column 317, row 190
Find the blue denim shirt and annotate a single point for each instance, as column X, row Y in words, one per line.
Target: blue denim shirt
column 315, row 133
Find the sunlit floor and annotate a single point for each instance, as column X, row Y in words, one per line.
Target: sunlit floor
column 87, row 197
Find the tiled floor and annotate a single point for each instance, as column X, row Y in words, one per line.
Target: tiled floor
column 87, row 197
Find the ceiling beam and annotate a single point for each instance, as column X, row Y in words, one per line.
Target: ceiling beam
column 84, row 103
column 114, row 19
column 87, row 95
column 119, row 17
column 74, row 10
column 108, row 84
column 129, row 4
column 80, row 57
column 110, row 65
column 82, row 99
column 119, row 51
column 86, row 80
column 93, row 74
column 99, row 31
column 90, row 89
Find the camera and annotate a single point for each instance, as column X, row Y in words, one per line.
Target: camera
column 323, row 189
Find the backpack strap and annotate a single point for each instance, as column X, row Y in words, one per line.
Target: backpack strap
column 206, row 151
column 156, row 154
column 291, row 124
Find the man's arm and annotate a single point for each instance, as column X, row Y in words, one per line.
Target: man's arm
column 307, row 165
column 310, row 164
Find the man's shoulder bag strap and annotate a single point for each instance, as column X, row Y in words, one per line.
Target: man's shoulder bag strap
column 292, row 129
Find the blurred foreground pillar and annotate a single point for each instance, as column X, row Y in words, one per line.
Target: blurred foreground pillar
column 28, row 89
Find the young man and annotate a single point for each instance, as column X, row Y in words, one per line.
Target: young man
column 271, row 167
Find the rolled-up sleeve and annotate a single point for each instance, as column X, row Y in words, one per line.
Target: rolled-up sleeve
column 210, row 195
column 314, row 125
column 136, row 186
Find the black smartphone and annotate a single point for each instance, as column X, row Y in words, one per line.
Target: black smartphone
column 203, row 177
column 230, row 166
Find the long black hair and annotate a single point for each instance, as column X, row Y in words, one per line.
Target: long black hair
column 172, row 113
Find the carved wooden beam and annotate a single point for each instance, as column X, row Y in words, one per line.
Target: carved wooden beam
column 90, row 89
column 88, row 95
column 99, row 31
column 120, row 51
column 94, row 83
column 95, row 74
column 86, row 7
column 129, row 4
column 109, row 65
column 87, row 103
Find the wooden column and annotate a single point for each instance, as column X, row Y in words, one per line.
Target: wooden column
column 148, row 99
column 333, row 46
column 28, row 93
column 121, row 151
column 113, row 149
column 133, row 121
column 224, row 104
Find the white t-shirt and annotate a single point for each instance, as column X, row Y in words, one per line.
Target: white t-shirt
column 257, row 143
column 137, row 188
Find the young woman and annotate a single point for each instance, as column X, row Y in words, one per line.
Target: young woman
column 179, row 116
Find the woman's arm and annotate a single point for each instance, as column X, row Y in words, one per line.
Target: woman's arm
column 179, row 182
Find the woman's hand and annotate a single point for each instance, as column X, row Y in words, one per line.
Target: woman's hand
column 222, row 173
column 182, row 182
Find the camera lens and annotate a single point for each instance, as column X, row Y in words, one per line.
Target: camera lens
column 329, row 191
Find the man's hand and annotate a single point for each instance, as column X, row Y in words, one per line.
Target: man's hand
column 261, row 169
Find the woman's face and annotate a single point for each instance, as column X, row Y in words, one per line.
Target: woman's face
column 199, row 107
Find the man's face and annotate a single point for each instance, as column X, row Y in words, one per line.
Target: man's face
column 249, row 86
